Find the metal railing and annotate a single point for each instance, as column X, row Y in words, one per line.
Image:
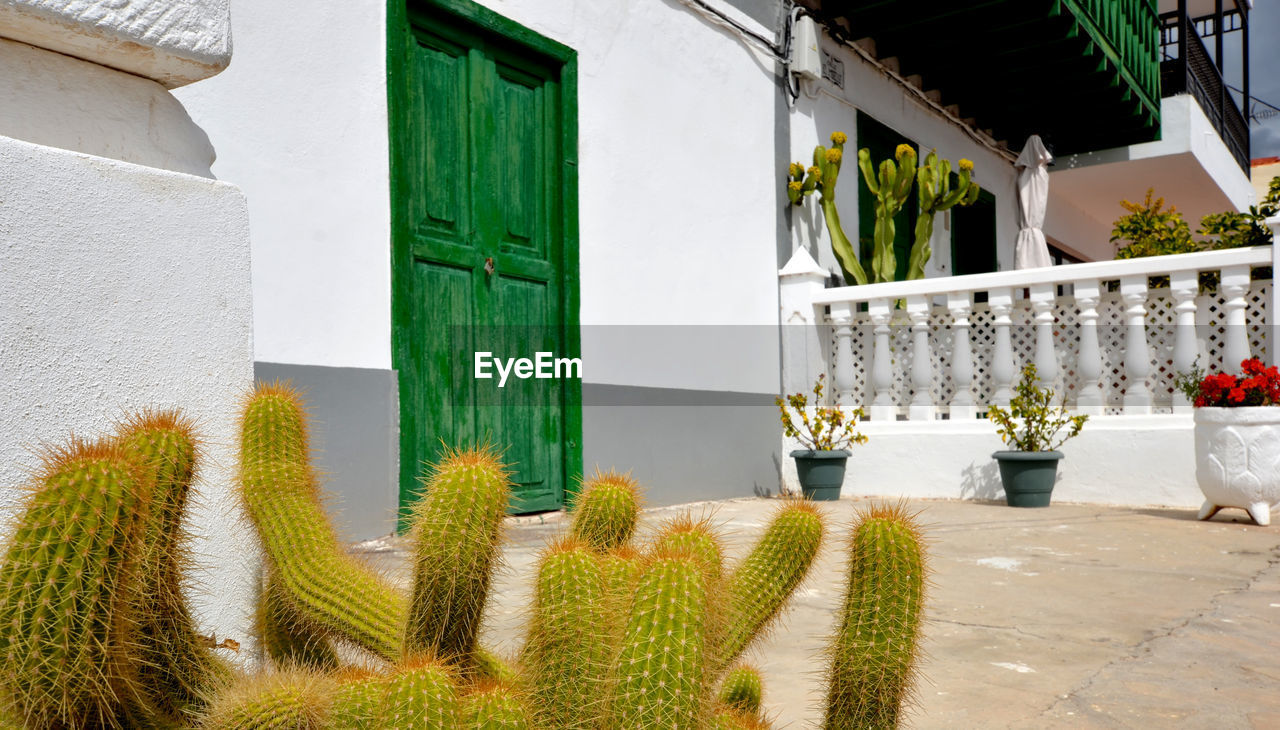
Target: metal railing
column 1187, row 67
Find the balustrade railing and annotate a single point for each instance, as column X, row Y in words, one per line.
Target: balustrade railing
column 1109, row 336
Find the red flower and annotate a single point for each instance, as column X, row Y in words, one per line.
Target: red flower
column 1236, row 395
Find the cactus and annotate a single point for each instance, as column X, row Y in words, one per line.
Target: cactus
column 661, row 673
column 568, row 646
column 357, row 700
column 421, row 695
column 68, row 589
column 761, row 584
column 730, row 719
column 456, row 530
column 822, row 177
column 936, row 194
column 175, row 666
column 891, row 191
column 496, row 706
column 291, row 700
column 288, row 638
column 492, row 667
column 743, row 690
column 874, row 652
column 332, row 592
column 606, row 510
column 698, row 537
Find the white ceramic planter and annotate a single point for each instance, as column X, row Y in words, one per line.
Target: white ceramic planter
column 1238, row 460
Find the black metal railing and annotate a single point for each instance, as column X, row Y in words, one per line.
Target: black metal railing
column 1187, row 67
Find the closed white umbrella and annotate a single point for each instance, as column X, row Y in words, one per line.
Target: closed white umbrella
column 1031, row 250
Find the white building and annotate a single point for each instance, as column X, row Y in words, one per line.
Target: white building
column 425, row 175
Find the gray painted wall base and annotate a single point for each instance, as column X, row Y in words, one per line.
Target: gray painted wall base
column 355, row 425
column 683, row 445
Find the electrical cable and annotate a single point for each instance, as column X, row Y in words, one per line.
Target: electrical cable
column 723, row 18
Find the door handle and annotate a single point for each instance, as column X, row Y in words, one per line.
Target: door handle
column 489, row 267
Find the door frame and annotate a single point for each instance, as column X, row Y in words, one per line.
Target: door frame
column 478, row 19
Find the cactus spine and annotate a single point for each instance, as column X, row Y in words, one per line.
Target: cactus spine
column 68, row 588
column 606, row 510
column 743, row 690
column 760, row 586
column 496, row 706
column 175, row 668
column 568, row 646
column 661, row 677
column 456, row 527
column 332, row 592
column 874, row 652
column 936, row 194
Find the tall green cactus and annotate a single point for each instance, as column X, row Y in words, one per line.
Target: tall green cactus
column 761, row 584
column 743, row 690
column 606, row 510
column 497, row 706
column 287, row 637
column 698, row 537
column 330, row 590
column 936, row 194
column 69, row 588
column 874, row 652
column 568, row 646
column 457, row 525
column 290, row 700
column 891, row 190
column 661, row 676
column 822, row 177
column 175, row 667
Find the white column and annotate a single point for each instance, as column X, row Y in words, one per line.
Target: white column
column 1137, row 358
column 882, row 407
column 1184, row 285
column 922, row 405
column 1089, row 399
column 1002, row 370
column 842, row 386
column 802, row 360
column 1235, row 283
column 1042, row 301
column 962, row 407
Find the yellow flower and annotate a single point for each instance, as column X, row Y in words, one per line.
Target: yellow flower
column 815, row 171
column 795, row 185
column 839, row 138
column 833, row 156
column 796, row 169
column 966, row 164
column 904, row 150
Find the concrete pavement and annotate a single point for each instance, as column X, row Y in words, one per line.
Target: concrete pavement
column 1070, row 616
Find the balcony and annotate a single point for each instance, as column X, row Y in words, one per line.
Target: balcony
column 1081, row 73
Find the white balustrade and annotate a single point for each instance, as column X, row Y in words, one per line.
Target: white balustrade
column 1106, row 348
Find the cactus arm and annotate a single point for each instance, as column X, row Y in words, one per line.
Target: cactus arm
column 496, row 706
column 920, row 249
column 840, row 245
column 868, row 175
column 606, row 510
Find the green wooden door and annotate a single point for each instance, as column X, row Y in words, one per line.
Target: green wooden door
column 484, row 243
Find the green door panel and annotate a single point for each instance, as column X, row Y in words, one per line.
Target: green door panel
column 483, row 133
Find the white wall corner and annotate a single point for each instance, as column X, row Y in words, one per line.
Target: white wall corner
column 174, row 42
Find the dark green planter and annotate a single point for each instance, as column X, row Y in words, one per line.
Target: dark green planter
column 821, row 473
column 1028, row 476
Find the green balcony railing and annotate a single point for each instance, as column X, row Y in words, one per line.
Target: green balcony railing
column 1128, row 32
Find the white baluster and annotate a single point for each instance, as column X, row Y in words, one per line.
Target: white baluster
column 882, row 408
column 922, row 405
column 962, row 407
column 1043, row 297
column 1002, row 370
column 1235, row 282
column 842, row 385
column 1089, row 399
column 802, row 353
column 1137, row 358
column 1184, row 285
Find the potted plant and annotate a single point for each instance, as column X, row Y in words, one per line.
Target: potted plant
column 1237, row 436
column 820, row 466
column 1034, row 429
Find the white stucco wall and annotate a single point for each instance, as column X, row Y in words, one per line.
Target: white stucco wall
column 124, row 287
column 300, row 121
column 823, row 108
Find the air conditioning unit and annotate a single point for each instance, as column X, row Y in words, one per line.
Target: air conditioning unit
column 806, row 56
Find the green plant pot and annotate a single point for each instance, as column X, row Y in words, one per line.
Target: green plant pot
column 821, row 473
column 1028, row 476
